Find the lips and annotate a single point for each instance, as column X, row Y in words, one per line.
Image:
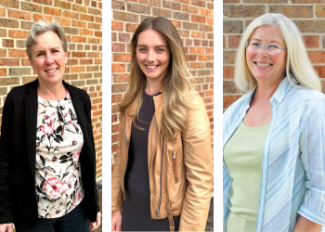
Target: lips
column 51, row 70
column 152, row 66
column 263, row 64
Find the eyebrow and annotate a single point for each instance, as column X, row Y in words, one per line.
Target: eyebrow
column 142, row 45
column 43, row 50
column 272, row 41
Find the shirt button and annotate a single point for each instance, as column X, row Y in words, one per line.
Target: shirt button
column 264, row 176
column 262, row 201
column 266, row 151
column 259, row 226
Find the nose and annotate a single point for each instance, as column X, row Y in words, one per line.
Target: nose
column 49, row 59
column 151, row 56
column 262, row 51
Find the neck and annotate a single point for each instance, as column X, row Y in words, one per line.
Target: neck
column 51, row 91
column 265, row 90
column 152, row 86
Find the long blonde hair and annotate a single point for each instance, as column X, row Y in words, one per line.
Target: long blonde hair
column 176, row 84
column 297, row 64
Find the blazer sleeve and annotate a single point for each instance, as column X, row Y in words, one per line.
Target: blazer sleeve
column 5, row 144
column 312, row 146
column 199, row 168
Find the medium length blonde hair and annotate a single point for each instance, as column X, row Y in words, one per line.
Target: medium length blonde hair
column 176, row 84
column 297, row 62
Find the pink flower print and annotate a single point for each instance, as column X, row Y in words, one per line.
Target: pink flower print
column 53, row 187
column 74, row 142
column 75, row 156
column 68, row 185
column 78, row 197
column 48, row 128
column 56, row 211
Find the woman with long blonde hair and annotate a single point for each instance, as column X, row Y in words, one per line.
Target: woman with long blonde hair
column 162, row 176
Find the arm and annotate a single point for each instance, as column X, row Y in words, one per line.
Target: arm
column 199, row 169
column 305, row 225
column 5, row 143
column 312, row 148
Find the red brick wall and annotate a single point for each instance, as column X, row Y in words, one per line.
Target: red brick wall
column 194, row 22
column 82, row 21
column 308, row 15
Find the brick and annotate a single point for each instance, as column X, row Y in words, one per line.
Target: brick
column 117, row 78
column 208, row 13
column 196, row 65
column 9, row 62
column 210, row 6
column 209, row 21
column 25, row 62
column 183, row 1
column 229, row 57
column 204, row 57
column 315, row 26
column 118, row 47
column 9, row 81
column 234, row 11
column 19, row 14
column 136, row 8
column 197, row 34
column 117, row 26
column 92, row 68
column 86, row 32
column 228, row 100
column 209, row 50
column 204, row 73
column 93, row 41
column 181, row 16
column 9, row 43
column 171, row 5
column 11, row 23
column 94, row 26
column 98, row 33
column 124, row 37
column 122, row 57
column 78, row 54
column 3, row 52
column 205, row 28
column 75, row 69
column 116, row 88
column 197, row 49
column 198, row 19
column 209, row 65
column 94, row 54
column 100, row 5
column 62, row 4
column 232, row 27
column 19, row 71
column 98, row 19
column 86, row 61
column 293, row 11
column 45, row 2
column 229, row 87
column 118, row 5
column 316, row 56
column 2, row 11
column 198, row 3
column 52, row 11
column 190, row 9
column 321, row 71
column 77, row 23
column 320, row 11
column 10, row 3
column 94, row 11
column 86, row 17
column 269, row 1
column 190, row 57
column 42, row 17
column 72, row 62
column 183, row 33
column 323, row 42
column 64, row 21
column 162, row 12
column 176, row 23
column 118, row 67
column 79, row 8
column 309, row 1
column 18, row 34
column 311, row 41
column 233, row 41
column 130, row 27
column 70, row 14
column 31, row 7
column 151, row 2
column 190, row 26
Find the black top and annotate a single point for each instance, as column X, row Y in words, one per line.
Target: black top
column 136, row 209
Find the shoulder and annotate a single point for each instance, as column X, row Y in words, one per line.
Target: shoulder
column 18, row 93
column 238, row 105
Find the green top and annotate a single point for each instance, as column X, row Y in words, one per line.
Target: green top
column 243, row 159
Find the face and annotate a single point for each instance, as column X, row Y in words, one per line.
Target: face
column 48, row 58
column 265, row 67
column 152, row 55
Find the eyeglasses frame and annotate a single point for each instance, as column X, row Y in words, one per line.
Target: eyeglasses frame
column 265, row 46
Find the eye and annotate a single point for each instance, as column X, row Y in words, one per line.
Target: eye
column 272, row 47
column 255, row 44
column 160, row 50
column 142, row 49
column 39, row 54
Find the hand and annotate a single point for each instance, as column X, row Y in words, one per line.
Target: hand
column 116, row 220
column 94, row 225
column 6, row 227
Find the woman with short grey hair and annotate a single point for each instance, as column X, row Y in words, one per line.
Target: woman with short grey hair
column 47, row 152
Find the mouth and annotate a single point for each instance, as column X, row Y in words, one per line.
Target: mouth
column 152, row 66
column 51, row 70
column 263, row 64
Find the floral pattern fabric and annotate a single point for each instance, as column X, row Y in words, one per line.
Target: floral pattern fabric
column 59, row 141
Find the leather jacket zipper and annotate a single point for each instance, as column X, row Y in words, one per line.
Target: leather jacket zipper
column 127, row 157
column 174, row 166
column 161, row 166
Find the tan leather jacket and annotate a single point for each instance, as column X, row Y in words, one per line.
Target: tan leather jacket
column 180, row 173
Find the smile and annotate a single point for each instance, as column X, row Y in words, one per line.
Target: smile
column 262, row 65
column 152, row 66
column 51, row 71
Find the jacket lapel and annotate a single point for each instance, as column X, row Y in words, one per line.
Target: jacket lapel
column 31, row 124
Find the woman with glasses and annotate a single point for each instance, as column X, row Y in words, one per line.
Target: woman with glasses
column 274, row 149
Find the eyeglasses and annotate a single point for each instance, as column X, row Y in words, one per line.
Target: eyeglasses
column 270, row 49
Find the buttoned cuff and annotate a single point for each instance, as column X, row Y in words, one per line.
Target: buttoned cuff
column 312, row 215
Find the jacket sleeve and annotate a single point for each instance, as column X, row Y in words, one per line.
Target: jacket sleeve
column 199, row 168
column 117, row 195
column 6, row 128
column 312, row 148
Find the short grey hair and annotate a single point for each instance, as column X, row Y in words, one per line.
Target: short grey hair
column 297, row 63
column 41, row 27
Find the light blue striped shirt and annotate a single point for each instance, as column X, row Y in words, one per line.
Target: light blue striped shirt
column 293, row 166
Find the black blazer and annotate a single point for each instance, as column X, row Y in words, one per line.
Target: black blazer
column 18, row 151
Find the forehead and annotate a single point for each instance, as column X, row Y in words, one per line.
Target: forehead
column 268, row 34
column 48, row 38
column 151, row 37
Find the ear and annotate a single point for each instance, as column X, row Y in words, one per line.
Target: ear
column 31, row 64
column 66, row 57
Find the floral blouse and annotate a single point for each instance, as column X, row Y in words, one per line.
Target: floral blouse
column 59, row 141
